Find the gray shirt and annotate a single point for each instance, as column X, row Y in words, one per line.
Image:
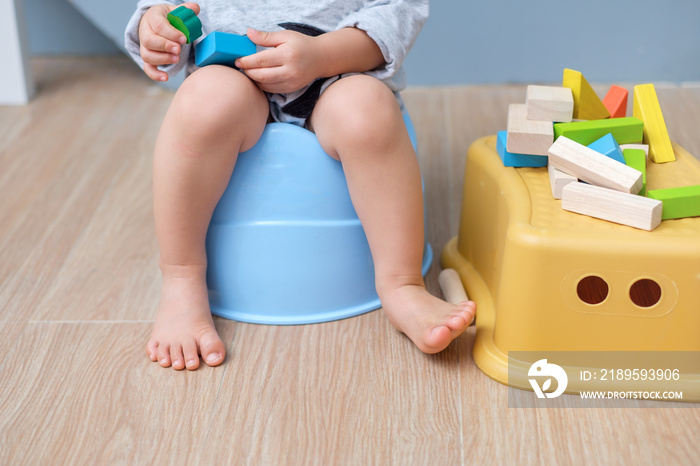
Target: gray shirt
column 392, row 24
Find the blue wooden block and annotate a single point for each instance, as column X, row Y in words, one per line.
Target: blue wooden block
column 607, row 145
column 222, row 48
column 517, row 160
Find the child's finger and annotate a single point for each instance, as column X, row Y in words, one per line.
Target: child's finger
column 267, row 39
column 263, row 59
column 265, row 76
column 191, row 5
column 160, row 44
column 158, row 58
column 154, row 73
column 161, row 27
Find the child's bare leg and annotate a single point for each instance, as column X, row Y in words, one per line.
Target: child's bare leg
column 216, row 113
column 358, row 121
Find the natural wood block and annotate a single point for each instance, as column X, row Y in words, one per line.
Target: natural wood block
column 525, row 136
column 510, row 159
column 549, row 103
column 616, row 101
column 587, row 104
column 646, row 107
column 628, row 130
column 592, row 167
column 679, row 202
column 637, row 159
column 614, row 206
column 558, row 179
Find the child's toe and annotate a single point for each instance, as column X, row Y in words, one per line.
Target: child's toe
column 458, row 322
column 152, row 350
column 164, row 355
column 189, row 349
column 212, row 349
column 176, row 357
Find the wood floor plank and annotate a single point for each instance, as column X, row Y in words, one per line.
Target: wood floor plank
column 87, row 394
column 112, row 270
column 337, row 393
column 55, row 174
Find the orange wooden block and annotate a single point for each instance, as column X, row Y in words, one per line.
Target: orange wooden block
column 616, row 102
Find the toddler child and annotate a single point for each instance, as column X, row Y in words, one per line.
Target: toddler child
column 332, row 66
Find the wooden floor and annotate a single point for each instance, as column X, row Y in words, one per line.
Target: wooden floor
column 79, row 285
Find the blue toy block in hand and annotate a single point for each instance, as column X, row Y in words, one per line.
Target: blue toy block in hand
column 221, row 48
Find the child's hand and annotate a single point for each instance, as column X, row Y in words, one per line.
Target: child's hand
column 160, row 41
column 295, row 61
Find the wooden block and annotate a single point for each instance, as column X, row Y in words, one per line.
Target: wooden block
column 644, row 147
column 590, row 166
column 678, row 202
column 532, row 137
column 608, row 146
column 587, row 104
column 616, row 101
column 637, row 159
column 221, row 48
column 646, row 107
column 510, row 159
column 628, row 130
column 558, row 179
column 549, row 103
column 614, row 206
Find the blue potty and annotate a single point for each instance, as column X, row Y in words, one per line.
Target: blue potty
column 285, row 245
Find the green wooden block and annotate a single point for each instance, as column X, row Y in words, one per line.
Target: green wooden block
column 628, row 130
column 637, row 159
column 678, row 202
column 184, row 20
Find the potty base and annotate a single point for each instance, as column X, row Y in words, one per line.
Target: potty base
column 285, row 245
column 315, row 304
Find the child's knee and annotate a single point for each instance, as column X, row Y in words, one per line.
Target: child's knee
column 362, row 99
column 360, row 109
column 216, row 97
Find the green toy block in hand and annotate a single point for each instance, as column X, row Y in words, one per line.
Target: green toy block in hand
column 184, row 20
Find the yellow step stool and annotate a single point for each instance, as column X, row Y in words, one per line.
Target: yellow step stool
column 548, row 280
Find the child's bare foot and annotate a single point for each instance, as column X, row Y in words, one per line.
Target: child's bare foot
column 428, row 321
column 184, row 328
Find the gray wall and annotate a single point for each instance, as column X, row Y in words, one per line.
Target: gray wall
column 54, row 27
column 464, row 42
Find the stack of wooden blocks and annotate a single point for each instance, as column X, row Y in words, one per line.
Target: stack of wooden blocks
column 595, row 154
